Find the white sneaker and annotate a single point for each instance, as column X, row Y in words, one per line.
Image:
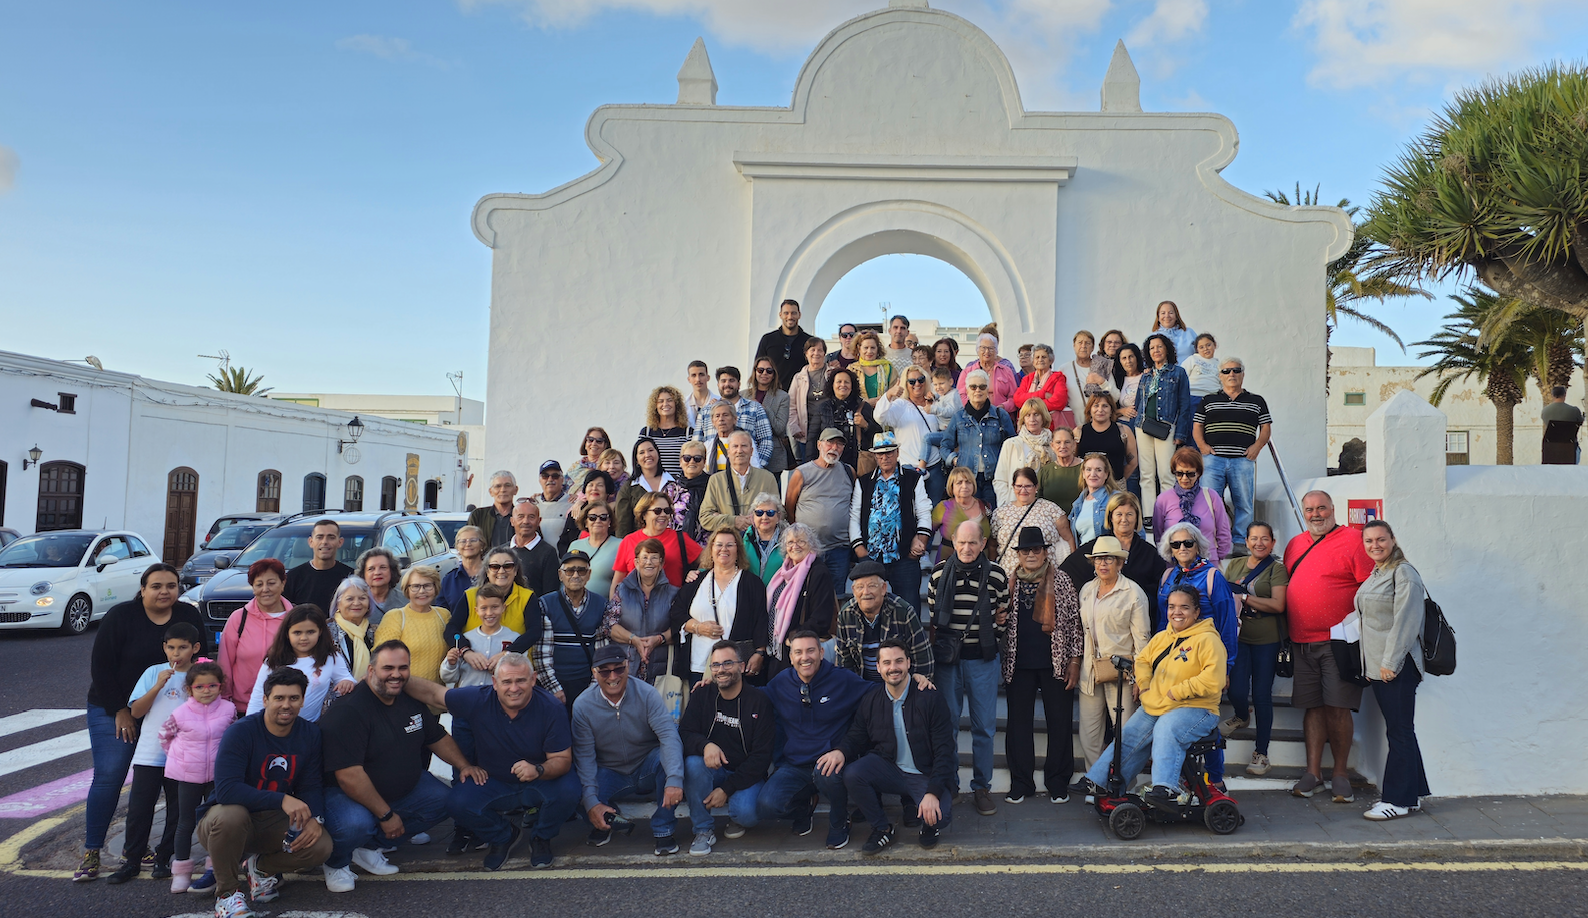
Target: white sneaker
column 1230, row 725
column 338, row 879
column 233, row 906
column 1382, row 812
column 423, row 838
column 372, row 861
column 1259, row 766
column 261, row 888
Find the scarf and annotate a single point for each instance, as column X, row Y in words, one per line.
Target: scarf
column 1042, row 604
column 868, row 364
column 360, row 661
column 978, row 413
column 1040, row 444
column 952, row 568
column 1188, row 499
column 785, row 589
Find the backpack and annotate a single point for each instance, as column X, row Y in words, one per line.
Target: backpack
column 1438, row 640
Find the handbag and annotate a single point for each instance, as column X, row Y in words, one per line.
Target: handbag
column 671, row 688
column 1285, row 662
column 1158, row 430
column 1104, row 671
column 945, row 645
column 1438, row 640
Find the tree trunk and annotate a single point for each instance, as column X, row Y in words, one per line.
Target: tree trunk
column 1504, row 432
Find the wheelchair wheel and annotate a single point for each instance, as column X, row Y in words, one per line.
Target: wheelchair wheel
column 1223, row 817
column 1127, row 821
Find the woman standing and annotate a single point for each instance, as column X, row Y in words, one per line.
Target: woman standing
column 961, row 506
column 1259, row 580
column 1048, row 385
column 680, row 550
column 1001, row 382
column 1128, row 369
column 1089, row 374
column 420, row 624
column 849, row 414
column 1111, row 342
column 1115, row 621
column 945, row 353
column 1061, row 482
column 723, row 604
column 1163, row 418
column 1102, row 433
column 665, row 426
column 1041, row 655
column 469, row 543
column 1390, row 603
column 686, row 508
column 1167, row 322
column 597, row 489
column 1190, row 502
column 640, row 613
column 649, row 476
column 250, row 630
column 874, row 370
column 378, row 568
column 1089, row 514
column 806, row 391
column 501, row 568
column 1029, row 509
column 762, row 541
column 351, row 631
column 1143, row 565
column 775, row 402
column 131, row 639
column 595, row 443
column 601, row 545
column 616, row 467
column 1030, row 447
column 799, row 595
column 304, row 643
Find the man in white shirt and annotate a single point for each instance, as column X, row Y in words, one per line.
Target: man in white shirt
column 699, row 396
column 898, row 352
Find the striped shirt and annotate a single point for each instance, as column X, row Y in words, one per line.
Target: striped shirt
column 966, row 590
column 1230, row 425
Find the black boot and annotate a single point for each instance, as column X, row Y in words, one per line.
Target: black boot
column 162, row 867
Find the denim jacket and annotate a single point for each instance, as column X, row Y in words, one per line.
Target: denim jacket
column 979, row 442
column 1175, row 406
column 1099, row 511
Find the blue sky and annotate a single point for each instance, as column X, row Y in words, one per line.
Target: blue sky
column 292, row 181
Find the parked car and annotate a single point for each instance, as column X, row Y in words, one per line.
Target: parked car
column 413, row 538
column 7, row 536
column 69, row 578
column 449, row 523
column 232, row 519
column 229, row 542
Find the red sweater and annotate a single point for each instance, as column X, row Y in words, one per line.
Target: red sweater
column 1324, row 592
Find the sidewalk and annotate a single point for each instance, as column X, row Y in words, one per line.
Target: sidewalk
column 1277, row 826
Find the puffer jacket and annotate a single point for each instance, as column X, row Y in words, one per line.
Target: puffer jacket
column 242, row 657
column 191, row 737
column 1193, row 671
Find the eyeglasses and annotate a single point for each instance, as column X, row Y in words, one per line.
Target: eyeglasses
column 469, row 541
column 612, row 670
column 660, row 511
column 598, row 518
column 1231, row 371
column 1186, row 543
column 576, row 571
column 502, row 567
column 691, row 458
column 766, row 513
column 1185, row 473
column 846, row 334
column 917, row 381
column 725, row 664
column 421, row 585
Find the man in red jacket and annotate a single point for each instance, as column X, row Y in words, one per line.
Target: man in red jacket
column 1327, row 564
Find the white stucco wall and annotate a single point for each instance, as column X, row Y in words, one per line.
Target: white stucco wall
column 905, row 134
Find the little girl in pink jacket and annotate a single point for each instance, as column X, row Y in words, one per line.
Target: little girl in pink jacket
column 191, row 737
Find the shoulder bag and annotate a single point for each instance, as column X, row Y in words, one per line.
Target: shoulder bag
column 1285, row 663
column 671, row 688
column 1438, row 640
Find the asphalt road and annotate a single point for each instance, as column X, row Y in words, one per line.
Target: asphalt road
column 42, row 670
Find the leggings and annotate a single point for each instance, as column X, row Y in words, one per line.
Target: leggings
column 188, row 797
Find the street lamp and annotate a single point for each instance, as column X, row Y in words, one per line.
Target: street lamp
column 355, row 429
column 34, row 454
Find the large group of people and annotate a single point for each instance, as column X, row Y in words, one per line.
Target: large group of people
column 793, row 588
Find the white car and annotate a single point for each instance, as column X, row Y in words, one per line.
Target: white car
column 69, row 578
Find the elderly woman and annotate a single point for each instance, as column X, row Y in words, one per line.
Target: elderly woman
column 1259, row 581
column 666, row 426
column 806, row 391
column 594, row 444
column 248, row 632
column 1186, row 549
column 723, row 604
column 420, row 624
column 1042, row 646
column 978, row 431
column 962, row 505
column 1030, row 447
column 639, row 615
column 1061, row 481
column 1102, row 433
column 767, row 389
column 799, row 595
column 1143, row 565
column 470, row 546
column 616, row 467
column 1164, row 412
column 945, row 353
column 500, row 568
column 686, row 509
column 762, row 540
column 1029, row 509
column 1089, row 374
column 1390, row 603
column 1179, row 677
column 1188, row 501
column 1000, row 376
column 600, row 544
column 378, row 567
column 1116, row 620
column 1047, row 385
column 873, row 370
column 649, row 475
column 848, row 413
column 656, row 515
column 350, row 627
column 1089, row 513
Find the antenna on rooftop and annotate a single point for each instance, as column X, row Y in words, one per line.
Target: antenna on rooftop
column 457, row 386
column 224, row 357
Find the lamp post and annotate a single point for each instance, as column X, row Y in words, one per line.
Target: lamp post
column 355, row 429
column 34, row 455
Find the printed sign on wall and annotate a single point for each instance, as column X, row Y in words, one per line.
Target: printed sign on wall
column 1361, row 512
column 411, row 486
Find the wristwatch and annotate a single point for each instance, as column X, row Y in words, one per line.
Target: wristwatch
column 389, row 814
column 540, row 771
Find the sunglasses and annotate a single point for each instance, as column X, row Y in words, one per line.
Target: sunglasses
column 975, row 386
column 691, row 458
column 612, row 670
column 1184, row 473
column 598, row 518
column 501, row 567
column 1185, row 543
column 918, row 381
column 602, row 440
column 1231, row 371
column 846, row 334
column 659, row 511
column 763, row 369
column 576, row 571
column 805, row 693
column 766, row 513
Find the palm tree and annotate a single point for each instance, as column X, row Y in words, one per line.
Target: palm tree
column 1503, row 362
column 237, row 381
column 1554, row 338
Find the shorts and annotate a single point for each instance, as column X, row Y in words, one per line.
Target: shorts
column 1317, row 682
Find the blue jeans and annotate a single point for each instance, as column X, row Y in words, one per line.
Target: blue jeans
column 904, row 578
column 985, row 493
column 650, row 778
column 788, row 791
column 871, row 776
column 1254, row 669
column 1164, row 739
column 936, row 483
column 351, row 824
column 483, row 809
column 837, row 561
column 700, row 781
column 112, row 761
column 1405, row 781
column 978, row 680
column 1240, row 474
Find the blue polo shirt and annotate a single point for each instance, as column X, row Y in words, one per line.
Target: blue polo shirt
column 540, row 729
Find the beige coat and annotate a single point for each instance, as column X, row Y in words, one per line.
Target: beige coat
column 1115, row 624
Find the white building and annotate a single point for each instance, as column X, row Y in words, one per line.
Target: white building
column 165, row 459
column 927, row 332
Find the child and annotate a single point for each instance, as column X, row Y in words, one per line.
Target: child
column 466, row 667
column 157, row 693
column 945, row 406
column 191, row 736
column 1201, row 368
column 304, row 642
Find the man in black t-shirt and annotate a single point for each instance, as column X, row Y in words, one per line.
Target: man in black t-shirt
column 785, row 345
column 377, row 787
column 315, row 581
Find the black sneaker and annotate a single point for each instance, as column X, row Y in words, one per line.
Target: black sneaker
column 803, row 822
column 598, row 837
column 127, row 871
column 539, row 852
column 930, row 835
column 1162, row 797
column 498, row 855
column 1091, row 788
column 880, row 838
column 912, row 817
column 462, row 840
column 1062, row 796
column 666, row 845
column 162, row 867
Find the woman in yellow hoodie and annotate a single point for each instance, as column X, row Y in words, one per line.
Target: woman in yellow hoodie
column 1179, row 678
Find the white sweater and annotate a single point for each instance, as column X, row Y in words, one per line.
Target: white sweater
column 334, row 671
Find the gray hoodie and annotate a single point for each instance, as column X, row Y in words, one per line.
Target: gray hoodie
column 619, row 737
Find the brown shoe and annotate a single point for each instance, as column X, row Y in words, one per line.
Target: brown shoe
column 1340, row 787
column 984, row 802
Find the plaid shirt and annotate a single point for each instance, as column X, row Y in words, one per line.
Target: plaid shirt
column 753, row 420
column 541, row 656
column 895, row 620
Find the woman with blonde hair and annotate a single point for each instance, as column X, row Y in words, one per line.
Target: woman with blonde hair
column 1030, row 447
column 421, row 624
column 962, row 505
column 1391, row 603
column 724, row 603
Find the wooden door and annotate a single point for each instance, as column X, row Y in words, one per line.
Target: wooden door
column 181, row 514
column 60, row 496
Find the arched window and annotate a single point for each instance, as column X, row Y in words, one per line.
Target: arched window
column 60, row 496
column 388, row 492
column 268, row 496
column 353, row 493
column 313, row 492
column 432, row 494
column 181, row 512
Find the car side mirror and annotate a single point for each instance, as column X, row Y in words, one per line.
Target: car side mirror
column 222, row 562
column 103, row 563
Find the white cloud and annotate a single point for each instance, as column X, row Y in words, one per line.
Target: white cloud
column 1361, row 42
column 766, row 25
column 390, row 49
column 9, row 164
column 1169, row 21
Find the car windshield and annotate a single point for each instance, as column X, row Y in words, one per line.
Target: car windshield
column 449, row 529
column 235, row 537
column 46, row 550
column 290, row 546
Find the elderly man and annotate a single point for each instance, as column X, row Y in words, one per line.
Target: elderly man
column 969, row 601
column 724, row 421
column 618, row 756
column 820, row 494
column 1001, row 376
column 537, row 559
column 522, row 744
column 1327, row 564
column 898, row 352
column 375, row 740
column 572, row 630
column 1231, row 428
column 902, row 741
column 751, row 416
column 728, row 733
column 552, row 500
column 888, row 507
column 729, row 492
column 267, row 782
column 978, row 432
column 873, row 616
column 785, row 345
column 496, row 518
column 315, row 580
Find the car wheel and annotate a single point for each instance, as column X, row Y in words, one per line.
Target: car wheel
column 78, row 611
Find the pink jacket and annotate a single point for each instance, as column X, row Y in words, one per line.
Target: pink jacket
column 1003, row 385
column 191, row 737
column 1209, row 507
column 242, row 658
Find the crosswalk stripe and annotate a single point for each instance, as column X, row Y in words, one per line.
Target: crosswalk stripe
column 39, row 753
column 38, row 717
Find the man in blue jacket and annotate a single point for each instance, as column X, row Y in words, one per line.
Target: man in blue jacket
column 267, row 787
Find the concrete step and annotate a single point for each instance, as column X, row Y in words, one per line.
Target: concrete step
column 1284, row 752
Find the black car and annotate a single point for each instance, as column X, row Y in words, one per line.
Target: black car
column 229, row 542
column 413, row 538
column 241, row 518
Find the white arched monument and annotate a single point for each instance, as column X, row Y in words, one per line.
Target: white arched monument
column 906, row 134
